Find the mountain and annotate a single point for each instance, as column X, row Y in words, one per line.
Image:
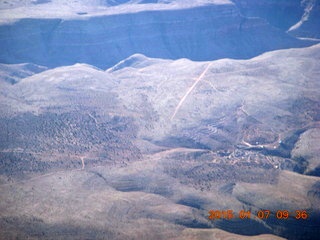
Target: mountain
column 12, row 73
column 281, row 14
column 307, row 26
column 173, row 145
column 299, row 18
column 198, row 31
column 166, row 119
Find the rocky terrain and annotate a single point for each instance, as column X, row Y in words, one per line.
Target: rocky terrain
column 300, row 18
column 212, row 31
column 125, row 120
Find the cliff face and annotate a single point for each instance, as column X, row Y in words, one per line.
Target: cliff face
column 280, row 13
column 300, row 17
column 308, row 24
column 201, row 33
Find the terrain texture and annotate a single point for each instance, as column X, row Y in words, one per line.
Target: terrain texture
column 134, row 119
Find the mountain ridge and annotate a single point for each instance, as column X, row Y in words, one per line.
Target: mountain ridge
column 212, row 32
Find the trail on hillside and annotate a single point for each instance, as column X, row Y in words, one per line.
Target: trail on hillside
column 190, row 90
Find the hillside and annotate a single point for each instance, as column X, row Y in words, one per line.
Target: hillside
column 241, row 134
column 143, row 119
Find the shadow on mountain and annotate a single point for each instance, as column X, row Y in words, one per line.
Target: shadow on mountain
column 34, row 228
